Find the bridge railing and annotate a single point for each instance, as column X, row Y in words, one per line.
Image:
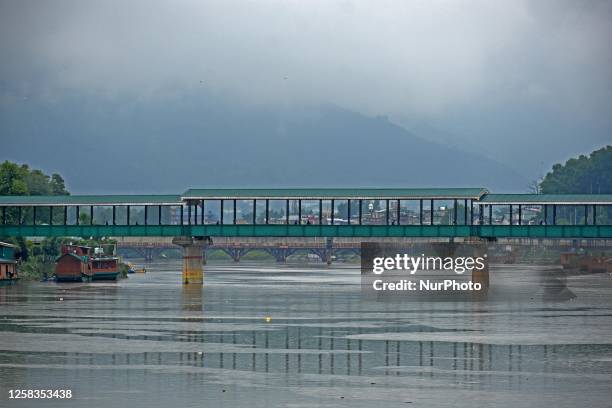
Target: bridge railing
column 312, row 212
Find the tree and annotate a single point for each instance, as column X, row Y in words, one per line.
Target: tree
column 12, row 179
column 38, row 183
column 21, row 180
column 582, row 175
column 58, row 186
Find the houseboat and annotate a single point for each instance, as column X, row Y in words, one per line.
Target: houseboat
column 8, row 264
column 577, row 262
column 79, row 263
column 73, row 264
column 104, row 267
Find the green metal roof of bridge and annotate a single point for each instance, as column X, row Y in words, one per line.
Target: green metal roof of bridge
column 479, row 194
column 62, row 200
column 339, row 193
column 547, row 199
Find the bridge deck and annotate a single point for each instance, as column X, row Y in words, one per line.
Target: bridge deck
column 365, row 231
column 386, row 212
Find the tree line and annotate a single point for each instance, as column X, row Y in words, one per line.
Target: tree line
column 18, row 179
column 590, row 174
column 22, row 180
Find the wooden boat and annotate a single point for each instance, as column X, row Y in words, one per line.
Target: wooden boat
column 8, row 265
column 83, row 263
column 133, row 269
column 586, row 263
column 73, row 264
column 104, row 267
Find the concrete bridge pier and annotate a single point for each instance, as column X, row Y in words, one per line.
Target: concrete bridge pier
column 281, row 253
column 329, row 250
column 236, row 253
column 148, row 254
column 193, row 255
column 481, row 276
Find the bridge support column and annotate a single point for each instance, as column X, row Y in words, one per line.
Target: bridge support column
column 280, row 254
column 236, row 253
column 329, row 249
column 480, row 250
column 148, row 254
column 193, row 254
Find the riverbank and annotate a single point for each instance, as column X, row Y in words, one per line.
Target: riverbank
column 36, row 268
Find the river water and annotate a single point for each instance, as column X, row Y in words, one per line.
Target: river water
column 147, row 341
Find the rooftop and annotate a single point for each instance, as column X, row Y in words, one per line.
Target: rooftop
column 547, row 199
column 327, row 193
column 480, row 194
column 62, row 200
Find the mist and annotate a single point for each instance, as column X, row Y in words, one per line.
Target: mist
column 524, row 83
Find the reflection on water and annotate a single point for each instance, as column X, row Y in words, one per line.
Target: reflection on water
column 150, row 342
column 193, row 298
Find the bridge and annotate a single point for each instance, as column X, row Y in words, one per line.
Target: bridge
column 237, row 248
column 199, row 214
column 387, row 212
column 325, row 250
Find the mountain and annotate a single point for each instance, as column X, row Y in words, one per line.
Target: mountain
column 119, row 144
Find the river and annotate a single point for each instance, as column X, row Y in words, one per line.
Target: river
column 301, row 336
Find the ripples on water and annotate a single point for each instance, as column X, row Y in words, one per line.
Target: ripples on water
column 150, row 342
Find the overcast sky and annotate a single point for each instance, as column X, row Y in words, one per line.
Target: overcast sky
column 485, row 72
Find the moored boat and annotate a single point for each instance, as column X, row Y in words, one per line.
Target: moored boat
column 586, row 263
column 133, row 269
column 79, row 263
column 8, row 264
column 104, row 267
column 73, row 265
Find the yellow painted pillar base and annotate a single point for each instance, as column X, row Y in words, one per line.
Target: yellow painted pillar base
column 193, row 271
column 193, row 254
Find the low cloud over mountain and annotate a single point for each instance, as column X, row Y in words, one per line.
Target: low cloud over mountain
column 126, row 145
